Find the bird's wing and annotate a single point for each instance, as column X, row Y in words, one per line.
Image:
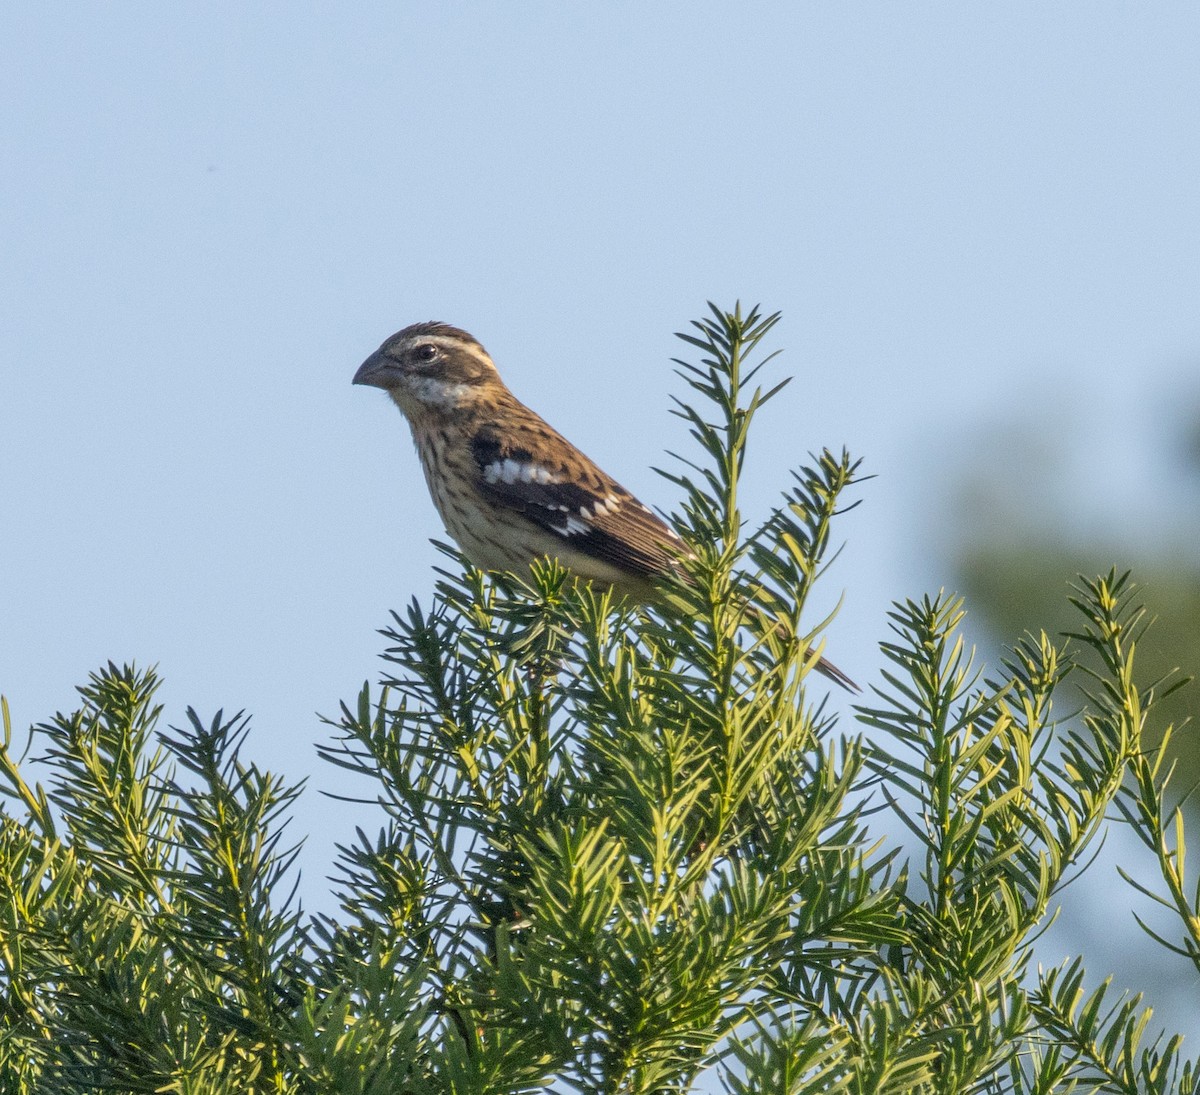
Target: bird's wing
column 547, row 480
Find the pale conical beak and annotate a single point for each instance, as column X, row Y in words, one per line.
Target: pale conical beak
column 374, row 371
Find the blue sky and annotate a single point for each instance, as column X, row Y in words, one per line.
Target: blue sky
column 209, row 215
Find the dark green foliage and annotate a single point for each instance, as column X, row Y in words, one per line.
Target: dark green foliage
column 621, row 850
column 141, row 949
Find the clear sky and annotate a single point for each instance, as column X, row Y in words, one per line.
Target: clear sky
column 210, row 214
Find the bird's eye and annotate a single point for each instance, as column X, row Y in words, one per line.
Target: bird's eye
column 425, row 352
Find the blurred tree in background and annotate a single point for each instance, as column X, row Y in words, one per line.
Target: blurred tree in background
column 1022, row 544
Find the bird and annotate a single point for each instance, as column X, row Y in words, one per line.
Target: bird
column 511, row 489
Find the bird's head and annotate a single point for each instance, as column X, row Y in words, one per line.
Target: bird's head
column 431, row 368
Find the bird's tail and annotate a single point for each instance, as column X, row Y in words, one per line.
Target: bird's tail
column 821, row 664
column 827, row 669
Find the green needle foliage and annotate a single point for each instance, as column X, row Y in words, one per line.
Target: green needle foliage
column 621, row 848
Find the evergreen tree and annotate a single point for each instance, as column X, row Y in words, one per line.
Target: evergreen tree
column 621, row 849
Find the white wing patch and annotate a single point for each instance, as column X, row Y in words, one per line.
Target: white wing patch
column 607, row 504
column 518, row 471
column 577, row 526
column 576, row 521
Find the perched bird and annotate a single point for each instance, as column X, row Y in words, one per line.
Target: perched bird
column 510, row 488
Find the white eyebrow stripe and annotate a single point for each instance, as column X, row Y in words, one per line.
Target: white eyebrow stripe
column 450, row 342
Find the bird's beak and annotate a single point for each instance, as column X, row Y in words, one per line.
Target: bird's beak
column 374, row 371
